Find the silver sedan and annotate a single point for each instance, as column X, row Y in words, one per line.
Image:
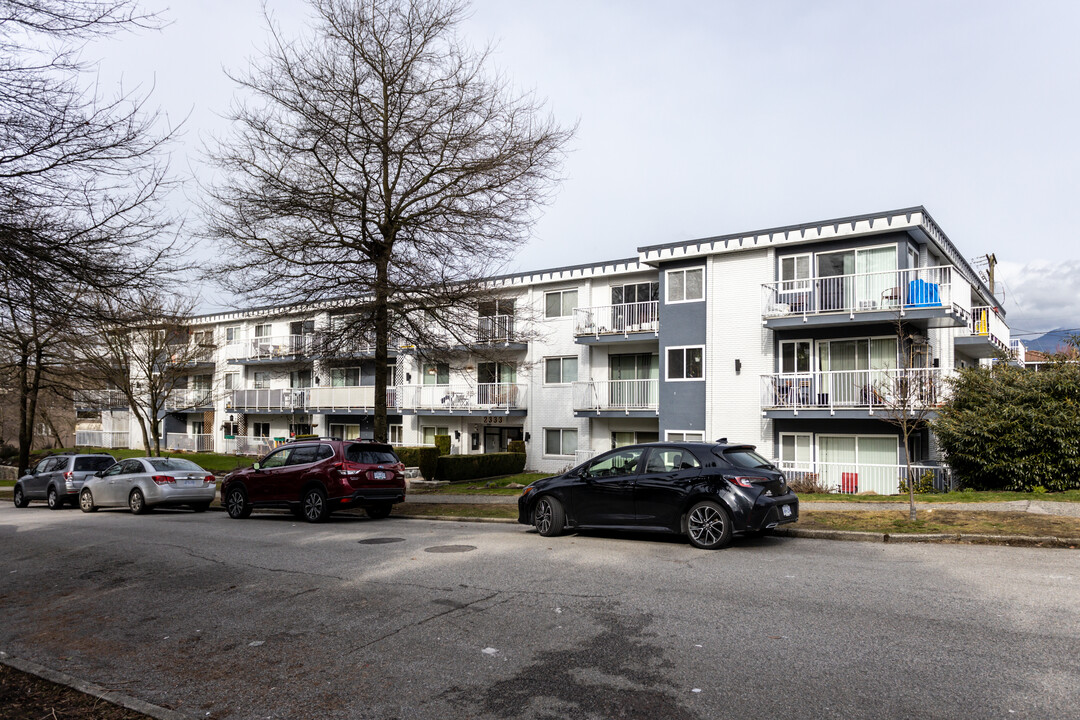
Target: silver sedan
column 147, row 482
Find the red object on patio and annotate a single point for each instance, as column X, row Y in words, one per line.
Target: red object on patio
column 849, row 482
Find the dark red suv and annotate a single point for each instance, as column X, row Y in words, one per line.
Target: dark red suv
column 315, row 477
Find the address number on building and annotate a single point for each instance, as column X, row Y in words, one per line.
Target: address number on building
column 493, row 420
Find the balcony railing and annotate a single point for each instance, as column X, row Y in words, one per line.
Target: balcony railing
column 249, row 445
column 495, row 329
column 581, row 456
column 275, row 347
column 897, row 290
column 191, row 443
column 187, row 398
column 479, row 397
column 101, row 438
column 617, row 395
column 620, row 319
column 280, row 399
column 985, row 322
column 347, row 398
column 854, row 389
column 99, row 399
column 854, row 478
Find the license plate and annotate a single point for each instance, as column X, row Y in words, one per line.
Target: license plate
column 191, row 482
column 786, row 510
column 380, row 475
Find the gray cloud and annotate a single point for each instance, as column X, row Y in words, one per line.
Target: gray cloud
column 1041, row 295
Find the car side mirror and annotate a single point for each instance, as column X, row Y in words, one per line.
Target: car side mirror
column 99, row 473
column 256, row 466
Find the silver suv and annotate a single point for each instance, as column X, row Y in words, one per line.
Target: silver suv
column 57, row 479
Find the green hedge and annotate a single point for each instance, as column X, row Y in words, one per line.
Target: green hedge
column 516, row 446
column 455, row 468
column 424, row 458
column 442, row 442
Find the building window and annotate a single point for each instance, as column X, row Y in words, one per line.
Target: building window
column 795, row 273
column 685, row 363
column 684, row 436
column 232, row 334
column 345, row 377
column 686, row 285
column 560, row 303
column 202, row 382
column 262, row 331
column 620, row 439
column 795, row 450
column 232, row 381
column 436, row 374
column 300, row 379
column 560, row 371
column 261, row 380
column 635, row 293
column 431, row 431
column 395, row 434
column 795, row 356
column 260, row 429
column 560, row 441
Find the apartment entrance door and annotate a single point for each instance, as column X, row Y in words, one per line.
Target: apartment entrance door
column 497, row 439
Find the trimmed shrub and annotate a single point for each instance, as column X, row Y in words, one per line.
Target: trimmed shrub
column 923, row 484
column 424, row 458
column 442, row 442
column 516, row 446
column 8, row 451
column 455, row 468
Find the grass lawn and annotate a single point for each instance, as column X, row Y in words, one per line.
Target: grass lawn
column 486, row 486
column 934, row 520
column 214, row 462
column 965, row 496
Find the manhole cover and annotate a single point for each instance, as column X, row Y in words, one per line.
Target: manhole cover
column 450, row 548
column 380, row 541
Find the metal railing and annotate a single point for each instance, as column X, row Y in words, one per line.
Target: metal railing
column 100, row 399
column 863, row 292
column 871, row 389
column 347, row 398
column 272, row 347
column 986, row 322
column 251, row 445
column 854, row 478
column 618, row 395
column 283, row 399
column 482, row 396
column 620, row 319
column 495, row 329
column 102, row 438
column 581, row 456
column 185, row 398
column 191, row 443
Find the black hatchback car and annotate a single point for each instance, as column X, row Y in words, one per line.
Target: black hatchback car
column 706, row 491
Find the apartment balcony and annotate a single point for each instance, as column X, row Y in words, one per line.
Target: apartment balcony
column 938, row 295
column 102, row 439
column 263, row 400
column 479, row 399
column 617, row 398
column 189, row 399
column 854, row 394
column 193, row 356
column 358, row 400
column 271, row 349
column 499, row 330
column 97, row 400
column 617, row 323
column 988, row 335
column 189, row 443
column 854, row 478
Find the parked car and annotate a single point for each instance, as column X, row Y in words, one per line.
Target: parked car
column 57, row 479
column 315, row 477
column 706, row 491
column 148, row 482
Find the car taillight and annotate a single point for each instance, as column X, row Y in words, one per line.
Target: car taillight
column 349, row 470
column 163, row 479
column 209, row 479
column 746, row 482
column 68, row 475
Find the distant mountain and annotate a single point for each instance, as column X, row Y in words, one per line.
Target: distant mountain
column 1049, row 342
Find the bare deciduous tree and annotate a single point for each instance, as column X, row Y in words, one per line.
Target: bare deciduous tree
column 380, row 162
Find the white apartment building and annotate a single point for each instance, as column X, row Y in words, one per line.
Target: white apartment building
column 780, row 338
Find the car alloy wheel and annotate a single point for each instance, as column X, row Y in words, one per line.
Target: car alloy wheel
column 236, row 504
column 55, row 503
column 548, row 517
column 19, row 497
column 708, row 526
column 137, row 502
column 86, row 502
column 315, row 506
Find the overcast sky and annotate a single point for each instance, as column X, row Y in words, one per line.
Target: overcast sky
column 706, row 118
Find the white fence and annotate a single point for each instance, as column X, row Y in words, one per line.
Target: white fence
column 854, row 478
column 244, row 445
column 191, row 443
column 861, row 292
column 619, row 395
column 100, row 399
column 871, row 389
column 617, row 319
column 101, row 439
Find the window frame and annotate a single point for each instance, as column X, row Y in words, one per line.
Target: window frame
column 562, row 442
column 561, row 359
column 683, row 348
column 668, row 435
column 683, row 271
column 563, row 313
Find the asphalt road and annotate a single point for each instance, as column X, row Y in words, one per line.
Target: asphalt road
column 273, row 618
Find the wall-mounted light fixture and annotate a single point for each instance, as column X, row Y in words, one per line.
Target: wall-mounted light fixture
column 457, row 434
column 738, row 366
column 527, row 437
column 408, row 377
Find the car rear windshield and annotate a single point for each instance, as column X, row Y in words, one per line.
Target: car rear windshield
column 173, row 464
column 746, row 458
column 93, row 464
column 368, row 455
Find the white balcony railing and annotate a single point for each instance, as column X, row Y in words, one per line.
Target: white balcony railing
column 854, row 478
column 495, row 329
column 101, row 438
column 248, row 445
column 618, row 395
column 191, row 443
column 620, row 319
column 897, row 290
column 853, row 389
column 581, row 456
column 479, row 397
column 99, row 399
column 272, row 348
column 282, row 399
column 347, row 398
column 985, row 322
column 188, row 398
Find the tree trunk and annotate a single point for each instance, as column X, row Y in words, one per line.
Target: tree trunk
column 24, row 440
column 382, row 342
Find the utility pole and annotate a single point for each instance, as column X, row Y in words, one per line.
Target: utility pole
column 991, row 261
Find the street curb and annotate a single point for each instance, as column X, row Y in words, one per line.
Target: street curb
column 89, row 688
column 1009, row 540
column 455, row 518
